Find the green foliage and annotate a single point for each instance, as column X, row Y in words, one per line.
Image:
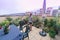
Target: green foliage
column 6, row 30
column 37, row 23
column 58, row 26
column 9, row 19
column 26, row 18
column 51, row 23
column 16, row 21
column 46, row 29
column 45, row 22
column 51, row 27
column 52, row 33
column 35, row 18
column 4, row 23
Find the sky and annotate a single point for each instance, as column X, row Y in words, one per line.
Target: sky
column 20, row 6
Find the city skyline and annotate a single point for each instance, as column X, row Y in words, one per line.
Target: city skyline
column 19, row 6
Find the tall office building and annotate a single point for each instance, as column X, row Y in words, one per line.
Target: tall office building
column 44, row 6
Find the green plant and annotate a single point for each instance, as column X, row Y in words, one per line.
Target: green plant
column 52, row 33
column 26, row 19
column 9, row 19
column 57, row 28
column 6, row 25
column 45, row 22
column 50, row 27
column 51, row 23
column 37, row 23
column 46, row 29
column 16, row 21
column 35, row 19
column 6, row 30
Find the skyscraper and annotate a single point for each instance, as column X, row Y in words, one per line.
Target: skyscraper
column 44, row 6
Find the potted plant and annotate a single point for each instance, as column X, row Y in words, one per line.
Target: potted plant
column 6, row 27
column 6, row 30
column 52, row 33
column 52, row 27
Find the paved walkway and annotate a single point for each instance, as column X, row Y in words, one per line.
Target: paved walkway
column 34, row 35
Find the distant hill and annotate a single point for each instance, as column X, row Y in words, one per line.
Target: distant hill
column 15, row 14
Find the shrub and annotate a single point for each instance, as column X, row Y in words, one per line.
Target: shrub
column 26, row 19
column 51, row 27
column 16, row 21
column 52, row 33
column 6, row 30
column 37, row 23
column 9, row 19
column 4, row 23
column 46, row 29
column 45, row 22
column 51, row 23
